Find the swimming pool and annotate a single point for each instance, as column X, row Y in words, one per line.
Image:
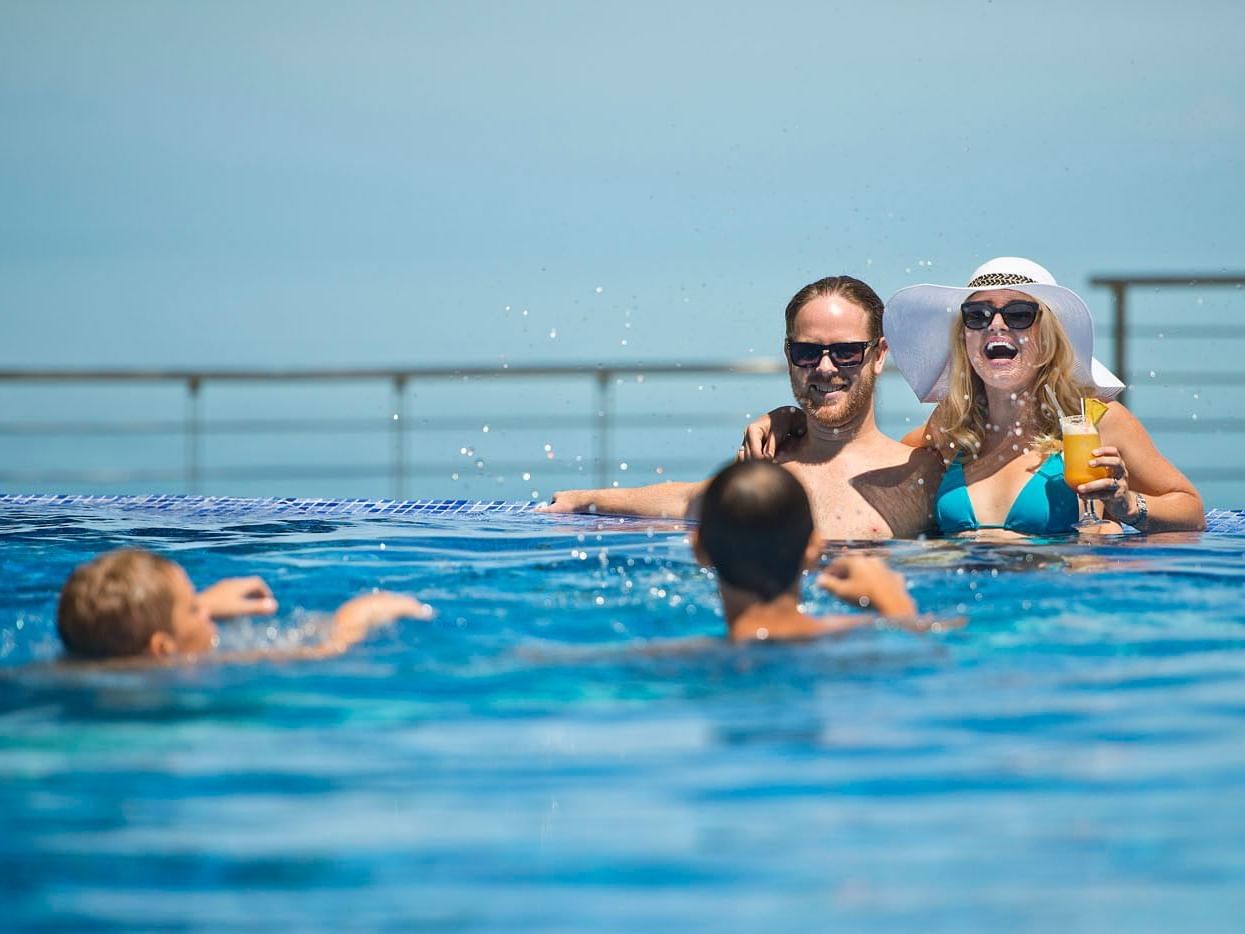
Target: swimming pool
column 1075, row 757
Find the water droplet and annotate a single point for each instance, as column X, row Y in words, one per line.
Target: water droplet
column 485, row 429
column 553, row 334
column 1152, row 374
column 527, row 476
column 453, row 476
column 599, row 601
column 622, row 466
column 395, row 416
column 600, row 289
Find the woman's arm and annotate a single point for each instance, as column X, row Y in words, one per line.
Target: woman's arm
column 927, row 436
column 1172, row 503
column 764, row 436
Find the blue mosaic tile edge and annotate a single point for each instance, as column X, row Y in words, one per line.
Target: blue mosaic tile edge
column 1224, row 521
column 238, row 507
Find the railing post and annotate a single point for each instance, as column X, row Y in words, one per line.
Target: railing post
column 192, row 434
column 399, row 437
column 1119, row 290
column 603, row 425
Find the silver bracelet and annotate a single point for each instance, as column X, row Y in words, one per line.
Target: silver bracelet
column 1143, row 513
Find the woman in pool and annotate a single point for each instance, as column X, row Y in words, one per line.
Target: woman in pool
column 992, row 355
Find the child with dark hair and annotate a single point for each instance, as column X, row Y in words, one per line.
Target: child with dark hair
column 132, row 604
column 756, row 532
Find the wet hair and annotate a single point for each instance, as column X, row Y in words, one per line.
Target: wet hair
column 755, row 523
column 111, row 606
column 854, row 290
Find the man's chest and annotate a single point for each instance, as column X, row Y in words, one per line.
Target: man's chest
column 839, row 508
column 878, row 501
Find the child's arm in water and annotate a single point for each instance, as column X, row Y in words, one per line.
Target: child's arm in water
column 352, row 622
column 355, row 618
column 869, row 582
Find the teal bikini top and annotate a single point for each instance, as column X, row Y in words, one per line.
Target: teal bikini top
column 1045, row 506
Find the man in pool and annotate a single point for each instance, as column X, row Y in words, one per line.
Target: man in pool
column 756, row 532
column 133, row 605
column 862, row 484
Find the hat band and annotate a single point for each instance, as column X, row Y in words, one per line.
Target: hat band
column 1000, row 278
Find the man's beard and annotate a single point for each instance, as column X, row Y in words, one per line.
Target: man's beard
column 845, row 407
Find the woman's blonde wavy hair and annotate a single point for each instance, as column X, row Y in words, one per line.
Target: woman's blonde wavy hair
column 961, row 418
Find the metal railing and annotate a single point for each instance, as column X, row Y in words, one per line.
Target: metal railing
column 1119, row 286
column 602, row 419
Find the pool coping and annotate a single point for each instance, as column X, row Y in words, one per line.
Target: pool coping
column 1217, row 520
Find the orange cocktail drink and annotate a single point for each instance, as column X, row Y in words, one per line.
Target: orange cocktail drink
column 1080, row 437
column 1079, row 440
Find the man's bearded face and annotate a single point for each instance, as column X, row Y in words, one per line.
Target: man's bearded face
column 833, row 396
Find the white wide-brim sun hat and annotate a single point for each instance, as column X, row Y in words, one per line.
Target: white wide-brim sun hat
column 917, row 324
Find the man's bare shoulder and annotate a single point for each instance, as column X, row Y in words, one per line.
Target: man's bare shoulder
column 885, row 451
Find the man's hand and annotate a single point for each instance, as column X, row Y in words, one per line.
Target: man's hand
column 571, row 501
column 764, row 437
column 239, row 596
column 867, row 582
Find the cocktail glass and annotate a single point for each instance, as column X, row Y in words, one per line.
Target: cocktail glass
column 1080, row 437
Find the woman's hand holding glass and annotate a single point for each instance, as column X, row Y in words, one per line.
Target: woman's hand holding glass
column 1119, row 501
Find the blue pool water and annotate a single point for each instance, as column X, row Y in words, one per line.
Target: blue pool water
column 535, row 759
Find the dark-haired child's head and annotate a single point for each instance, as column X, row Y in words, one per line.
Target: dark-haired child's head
column 130, row 602
column 756, row 528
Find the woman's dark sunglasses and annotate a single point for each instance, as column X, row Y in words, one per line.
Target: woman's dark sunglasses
column 848, row 354
column 1016, row 315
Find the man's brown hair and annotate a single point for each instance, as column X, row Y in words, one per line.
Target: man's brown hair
column 110, row 607
column 854, row 290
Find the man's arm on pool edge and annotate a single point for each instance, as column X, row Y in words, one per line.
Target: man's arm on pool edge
column 659, row 500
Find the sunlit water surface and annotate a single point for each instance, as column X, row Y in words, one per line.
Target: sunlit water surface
column 540, row 757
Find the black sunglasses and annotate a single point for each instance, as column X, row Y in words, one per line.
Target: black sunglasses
column 847, row 354
column 1017, row 315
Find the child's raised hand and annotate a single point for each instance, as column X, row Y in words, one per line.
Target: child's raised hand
column 239, row 596
column 867, row 582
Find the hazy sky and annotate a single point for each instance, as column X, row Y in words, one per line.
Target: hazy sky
column 324, row 183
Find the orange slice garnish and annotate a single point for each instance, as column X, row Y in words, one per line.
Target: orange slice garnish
column 1095, row 409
